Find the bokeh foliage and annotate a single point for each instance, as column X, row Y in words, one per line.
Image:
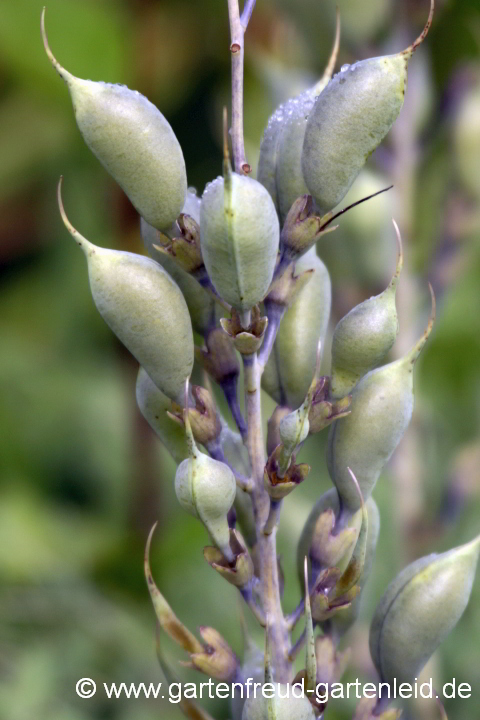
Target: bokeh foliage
column 82, row 477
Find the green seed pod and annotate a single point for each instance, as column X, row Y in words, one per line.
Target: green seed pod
column 328, row 502
column 419, row 609
column 365, row 335
column 350, row 119
column 144, row 307
column 342, row 621
column 154, row 406
column 200, row 303
column 239, row 235
column 292, row 362
column 283, row 706
column 288, row 171
column 382, row 405
column 206, row 489
column 279, row 165
column 133, row 141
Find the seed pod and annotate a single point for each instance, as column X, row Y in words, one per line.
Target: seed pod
column 200, row 304
column 145, row 309
column 133, row 141
column 329, row 502
column 365, row 335
column 342, row 621
column 239, row 235
column 350, row 119
column 154, row 406
column 279, row 165
column 206, row 489
column 292, row 362
column 419, row 608
column 288, row 172
column 382, row 405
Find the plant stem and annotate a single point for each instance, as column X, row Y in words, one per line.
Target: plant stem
column 266, row 545
column 237, row 33
column 247, row 12
column 273, row 517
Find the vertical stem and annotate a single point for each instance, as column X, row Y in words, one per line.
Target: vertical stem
column 237, row 34
column 267, row 543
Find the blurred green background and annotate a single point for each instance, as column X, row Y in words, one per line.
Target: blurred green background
column 82, row 476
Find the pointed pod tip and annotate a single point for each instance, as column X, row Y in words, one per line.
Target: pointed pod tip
column 79, row 239
column 186, row 418
column 400, row 250
column 305, row 574
column 414, row 353
column 64, row 74
column 148, row 572
column 357, row 487
column 408, row 52
column 332, row 61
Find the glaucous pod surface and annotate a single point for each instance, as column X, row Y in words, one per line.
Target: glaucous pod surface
column 145, row 308
column 348, row 122
column 342, row 621
column 206, row 489
column 328, row 501
column 200, row 304
column 381, row 409
column 291, row 365
column 288, row 172
column 239, row 235
column 133, row 141
column 350, row 119
column 281, row 707
column 364, row 336
column 154, row 406
column 280, row 161
column 418, row 610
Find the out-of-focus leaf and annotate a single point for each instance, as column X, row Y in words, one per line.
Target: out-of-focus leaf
column 90, row 38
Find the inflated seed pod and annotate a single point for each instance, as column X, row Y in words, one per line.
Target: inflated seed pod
column 418, row 610
column 365, row 335
column 133, row 141
column 206, row 489
column 144, row 307
column 329, row 501
column 291, row 365
column 381, row 409
column 200, row 303
column 239, row 235
column 342, row 621
column 350, row 119
column 154, row 406
column 280, row 161
column 283, row 706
